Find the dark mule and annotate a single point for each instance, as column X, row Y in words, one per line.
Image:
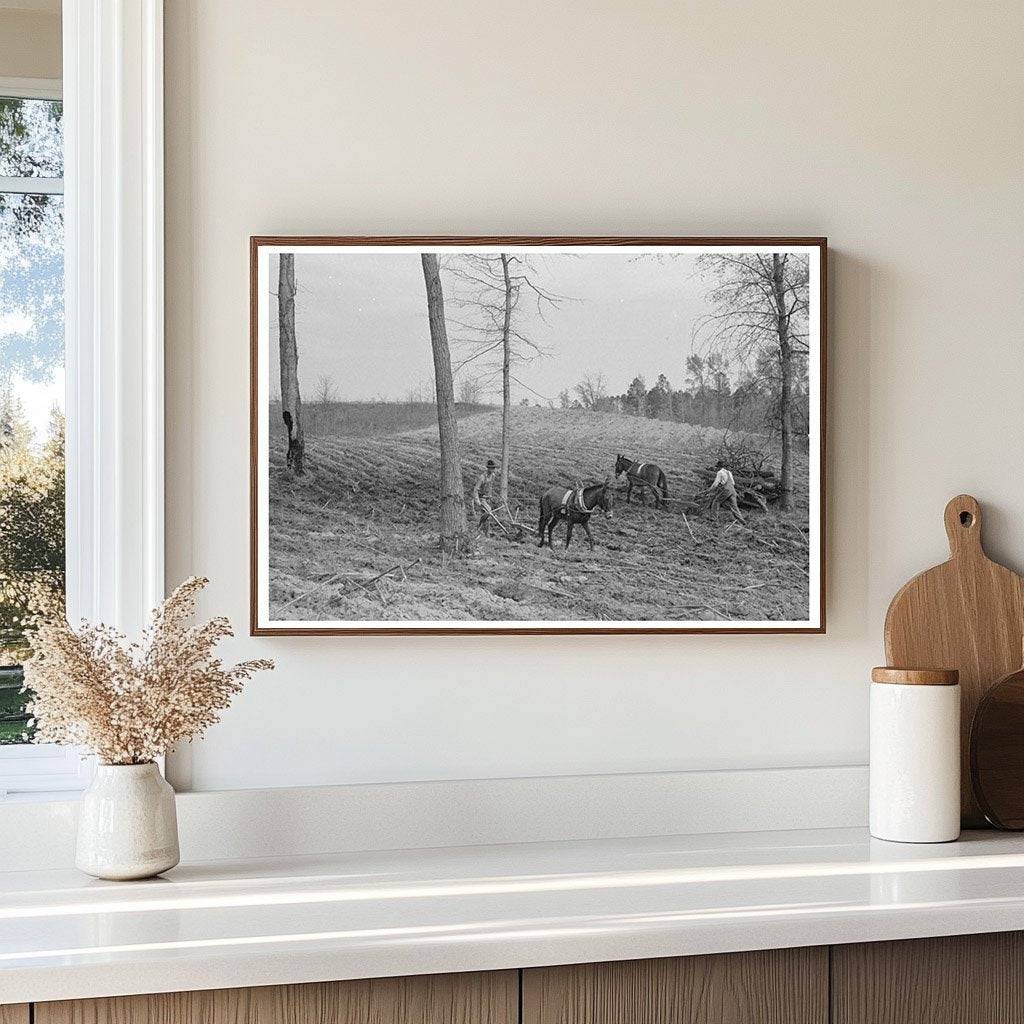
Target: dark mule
column 643, row 475
column 576, row 505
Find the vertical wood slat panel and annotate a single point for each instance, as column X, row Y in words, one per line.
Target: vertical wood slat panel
column 777, row 986
column 14, row 1013
column 478, row 998
column 960, row 979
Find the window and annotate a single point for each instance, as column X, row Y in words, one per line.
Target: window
column 32, row 514
column 86, row 180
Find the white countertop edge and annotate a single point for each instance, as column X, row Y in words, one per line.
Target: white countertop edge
column 542, row 946
column 241, row 923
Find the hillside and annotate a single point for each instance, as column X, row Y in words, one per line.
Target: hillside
column 368, row 503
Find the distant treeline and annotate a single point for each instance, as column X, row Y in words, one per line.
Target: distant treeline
column 711, row 397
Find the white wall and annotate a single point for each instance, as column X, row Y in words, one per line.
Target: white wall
column 895, row 129
column 30, row 39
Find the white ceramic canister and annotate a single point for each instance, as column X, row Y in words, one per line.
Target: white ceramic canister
column 127, row 825
column 915, row 755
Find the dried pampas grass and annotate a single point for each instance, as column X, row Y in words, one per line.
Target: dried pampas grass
column 129, row 703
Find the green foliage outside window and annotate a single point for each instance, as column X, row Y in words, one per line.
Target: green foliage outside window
column 32, row 552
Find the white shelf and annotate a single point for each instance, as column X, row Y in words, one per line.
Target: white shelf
column 351, row 915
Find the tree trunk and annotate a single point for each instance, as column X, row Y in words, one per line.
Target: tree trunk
column 453, row 506
column 291, row 403
column 506, row 396
column 786, row 391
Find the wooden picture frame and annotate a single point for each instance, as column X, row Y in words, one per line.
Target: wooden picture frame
column 318, row 558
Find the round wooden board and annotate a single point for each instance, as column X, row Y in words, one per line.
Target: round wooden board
column 997, row 753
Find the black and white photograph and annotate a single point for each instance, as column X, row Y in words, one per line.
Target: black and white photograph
column 520, row 435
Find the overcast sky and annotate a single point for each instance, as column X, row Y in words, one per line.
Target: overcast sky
column 361, row 320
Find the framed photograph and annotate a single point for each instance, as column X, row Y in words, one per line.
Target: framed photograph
column 537, row 435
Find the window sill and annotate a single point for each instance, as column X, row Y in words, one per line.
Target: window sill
column 43, row 771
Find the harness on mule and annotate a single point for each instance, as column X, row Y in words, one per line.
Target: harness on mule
column 573, row 500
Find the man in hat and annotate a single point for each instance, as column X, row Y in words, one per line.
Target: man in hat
column 723, row 491
column 482, row 496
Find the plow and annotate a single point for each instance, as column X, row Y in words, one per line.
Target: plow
column 512, row 528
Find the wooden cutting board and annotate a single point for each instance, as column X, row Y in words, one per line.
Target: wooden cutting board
column 967, row 614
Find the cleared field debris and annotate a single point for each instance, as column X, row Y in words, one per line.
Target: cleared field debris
column 355, row 537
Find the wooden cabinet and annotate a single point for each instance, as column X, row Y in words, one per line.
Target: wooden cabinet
column 971, row 979
column 963, row 979
column 777, row 986
column 491, row 998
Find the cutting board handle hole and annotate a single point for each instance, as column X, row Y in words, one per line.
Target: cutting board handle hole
column 962, row 517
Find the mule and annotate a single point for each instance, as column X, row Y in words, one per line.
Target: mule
column 643, row 475
column 576, row 506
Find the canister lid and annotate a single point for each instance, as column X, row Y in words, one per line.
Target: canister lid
column 916, row 676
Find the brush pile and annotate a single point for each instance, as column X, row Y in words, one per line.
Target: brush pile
column 757, row 485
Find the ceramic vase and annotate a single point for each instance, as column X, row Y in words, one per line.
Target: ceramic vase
column 127, row 825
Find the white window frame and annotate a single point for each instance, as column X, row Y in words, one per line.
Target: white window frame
column 114, row 325
column 32, row 88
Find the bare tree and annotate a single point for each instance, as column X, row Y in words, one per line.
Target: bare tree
column 762, row 299
column 291, row 402
column 326, row 390
column 423, row 392
column 493, row 284
column 453, row 505
column 591, row 391
column 471, row 391
column 719, row 383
